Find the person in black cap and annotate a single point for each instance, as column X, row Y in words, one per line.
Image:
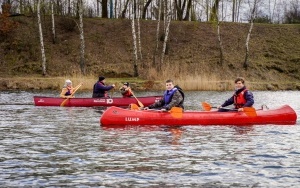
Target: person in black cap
column 100, row 89
column 126, row 90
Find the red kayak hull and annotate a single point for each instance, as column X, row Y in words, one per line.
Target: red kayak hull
column 115, row 116
column 93, row 102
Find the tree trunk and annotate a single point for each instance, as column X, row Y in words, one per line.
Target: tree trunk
column 139, row 34
column 82, row 43
column 188, row 9
column 135, row 58
column 145, row 9
column 125, row 8
column 104, row 9
column 246, row 62
column 220, row 43
column 214, row 11
column 166, row 35
column 157, row 36
column 53, row 24
column 41, row 39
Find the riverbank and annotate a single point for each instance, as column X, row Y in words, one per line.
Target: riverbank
column 192, row 58
column 56, row 83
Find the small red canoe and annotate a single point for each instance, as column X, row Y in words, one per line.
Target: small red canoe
column 115, row 116
column 93, row 102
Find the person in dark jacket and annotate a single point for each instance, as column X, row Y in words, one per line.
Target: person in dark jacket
column 173, row 97
column 241, row 98
column 100, row 89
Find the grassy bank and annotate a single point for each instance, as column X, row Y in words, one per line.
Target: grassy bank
column 192, row 58
column 188, row 84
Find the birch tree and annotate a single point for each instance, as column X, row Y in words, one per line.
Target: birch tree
column 253, row 10
column 157, row 33
column 82, row 43
column 53, row 23
column 167, row 29
column 135, row 59
column 41, row 39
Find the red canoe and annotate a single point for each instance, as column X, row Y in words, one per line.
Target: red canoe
column 93, row 102
column 115, row 116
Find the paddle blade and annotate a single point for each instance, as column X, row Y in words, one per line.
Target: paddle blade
column 134, row 107
column 206, row 106
column 250, row 111
column 176, row 112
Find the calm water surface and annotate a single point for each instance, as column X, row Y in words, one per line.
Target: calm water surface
column 66, row 147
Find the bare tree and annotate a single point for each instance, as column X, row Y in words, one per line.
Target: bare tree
column 253, row 10
column 167, row 29
column 157, row 33
column 145, row 8
column 125, row 8
column 104, row 9
column 53, row 23
column 135, row 59
column 82, row 43
column 41, row 39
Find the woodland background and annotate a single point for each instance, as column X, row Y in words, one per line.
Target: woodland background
column 201, row 44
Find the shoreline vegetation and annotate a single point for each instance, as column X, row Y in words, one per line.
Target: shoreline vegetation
column 17, row 83
column 192, row 59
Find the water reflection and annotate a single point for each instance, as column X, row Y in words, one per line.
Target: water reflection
column 67, row 147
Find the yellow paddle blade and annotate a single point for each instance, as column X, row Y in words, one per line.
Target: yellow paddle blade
column 176, row 112
column 206, row 106
column 134, row 107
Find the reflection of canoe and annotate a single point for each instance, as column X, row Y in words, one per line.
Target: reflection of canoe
column 115, row 116
column 91, row 102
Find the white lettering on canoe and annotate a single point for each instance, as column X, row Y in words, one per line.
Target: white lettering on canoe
column 132, row 119
column 99, row 100
column 109, row 101
column 41, row 100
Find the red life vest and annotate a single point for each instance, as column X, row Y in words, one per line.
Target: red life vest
column 127, row 94
column 239, row 99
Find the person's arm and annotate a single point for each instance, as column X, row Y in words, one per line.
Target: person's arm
column 176, row 100
column 103, row 87
column 228, row 102
column 157, row 104
column 249, row 98
column 63, row 92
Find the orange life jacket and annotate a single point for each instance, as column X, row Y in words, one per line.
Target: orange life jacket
column 239, row 99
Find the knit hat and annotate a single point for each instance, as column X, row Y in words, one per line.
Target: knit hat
column 68, row 82
column 126, row 83
column 101, row 78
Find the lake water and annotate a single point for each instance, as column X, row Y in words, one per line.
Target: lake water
column 67, row 147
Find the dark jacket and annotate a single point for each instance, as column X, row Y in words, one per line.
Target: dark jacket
column 248, row 96
column 176, row 101
column 100, row 90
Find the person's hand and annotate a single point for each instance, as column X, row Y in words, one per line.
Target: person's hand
column 163, row 110
column 113, row 85
column 146, row 108
column 219, row 107
column 241, row 110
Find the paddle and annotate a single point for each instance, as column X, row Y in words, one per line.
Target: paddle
column 139, row 102
column 176, row 112
column 75, row 89
column 249, row 111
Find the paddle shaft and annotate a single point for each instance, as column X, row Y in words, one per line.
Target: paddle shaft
column 139, row 102
column 76, row 88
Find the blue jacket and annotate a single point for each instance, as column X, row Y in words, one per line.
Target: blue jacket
column 100, row 90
